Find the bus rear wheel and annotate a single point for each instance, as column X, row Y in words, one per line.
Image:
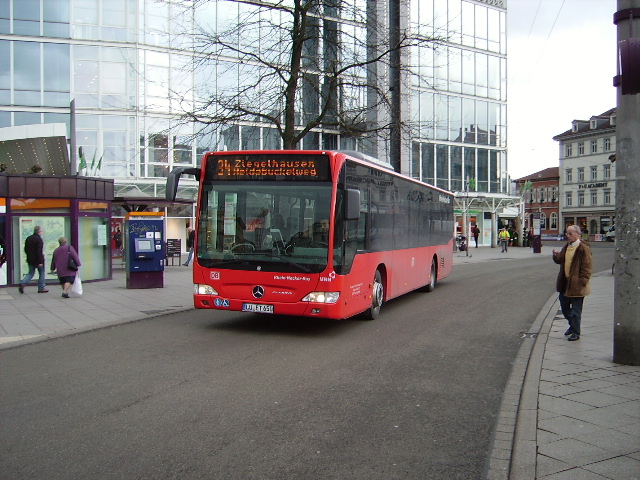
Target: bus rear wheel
column 433, row 275
column 377, row 298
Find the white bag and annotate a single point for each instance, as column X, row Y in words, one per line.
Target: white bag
column 77, row 286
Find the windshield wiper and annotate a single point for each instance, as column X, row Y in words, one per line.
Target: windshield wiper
column 291, row 262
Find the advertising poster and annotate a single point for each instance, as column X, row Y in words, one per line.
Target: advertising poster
column 101, row 233
column 52, row 229
column 117, row 244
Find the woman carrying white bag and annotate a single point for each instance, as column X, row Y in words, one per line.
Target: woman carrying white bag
column 65, row 263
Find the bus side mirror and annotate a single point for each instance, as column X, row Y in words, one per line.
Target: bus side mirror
column 174, row 177
column 352, row 206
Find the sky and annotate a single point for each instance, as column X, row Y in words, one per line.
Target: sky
column 561, row 60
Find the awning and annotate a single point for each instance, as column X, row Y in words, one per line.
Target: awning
column 139, row 204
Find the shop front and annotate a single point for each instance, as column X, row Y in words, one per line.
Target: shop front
column 78, row 208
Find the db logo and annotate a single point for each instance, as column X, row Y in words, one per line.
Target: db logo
column 215, row 275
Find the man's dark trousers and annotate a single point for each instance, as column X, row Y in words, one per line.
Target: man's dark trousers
column 572, row 311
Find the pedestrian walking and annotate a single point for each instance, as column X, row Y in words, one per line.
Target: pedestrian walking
column 476, row 233
column 33, row 247
column 504, row 239
column 60, row 265
column 573, row 279
column 191, row 238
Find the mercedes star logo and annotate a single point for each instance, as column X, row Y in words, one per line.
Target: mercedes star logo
column 258, row 291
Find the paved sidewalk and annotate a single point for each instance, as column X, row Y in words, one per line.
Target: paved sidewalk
column 34, row 317
column 568, row 412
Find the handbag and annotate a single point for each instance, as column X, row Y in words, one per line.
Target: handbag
column 77, row 286
column 71, row 263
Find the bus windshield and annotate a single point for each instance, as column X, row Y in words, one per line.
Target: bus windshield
column 264, row 225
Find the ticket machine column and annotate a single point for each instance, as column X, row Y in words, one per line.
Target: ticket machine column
column 145, row 249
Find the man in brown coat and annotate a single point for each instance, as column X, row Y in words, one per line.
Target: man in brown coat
column 573, row 279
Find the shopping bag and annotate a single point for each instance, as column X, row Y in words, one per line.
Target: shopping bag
column 77, row 286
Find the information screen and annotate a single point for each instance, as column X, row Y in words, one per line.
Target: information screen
column 143, row 245
column 286, row 167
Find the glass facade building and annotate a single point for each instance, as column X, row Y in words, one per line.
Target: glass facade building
column 129, row 66
column 459, row 96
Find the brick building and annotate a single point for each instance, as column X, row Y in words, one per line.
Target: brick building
column 542, row 196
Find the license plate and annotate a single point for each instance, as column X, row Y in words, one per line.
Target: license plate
column 257, row 308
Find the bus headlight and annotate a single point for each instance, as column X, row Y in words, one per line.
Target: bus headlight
column 322, row 297
column 200, row 289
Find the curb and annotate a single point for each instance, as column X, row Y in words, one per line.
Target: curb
column 512, row 455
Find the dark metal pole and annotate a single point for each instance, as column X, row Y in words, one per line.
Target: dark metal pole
column 72, row 153
column 626, row 330
column 395, row 140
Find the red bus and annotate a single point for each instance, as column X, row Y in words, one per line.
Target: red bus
column 313, row 233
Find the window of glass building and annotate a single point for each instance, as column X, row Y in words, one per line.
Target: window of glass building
column 469, row 164
column 5, row 73
column 27, row 73
column 456, row 168
column 494, row 171
column 415, row 160
column 482, row 183
column 428, row 163
column 5, row 18
column 442, row 166
column 56, row 78
column 155, row 25
column 55, row 19
column 26, row 17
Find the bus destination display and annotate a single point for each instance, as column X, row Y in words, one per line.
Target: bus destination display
column 270, row 167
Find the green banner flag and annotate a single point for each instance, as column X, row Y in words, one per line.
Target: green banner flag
column 83, row 161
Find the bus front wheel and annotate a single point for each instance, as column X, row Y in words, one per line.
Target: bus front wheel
column 377, row 297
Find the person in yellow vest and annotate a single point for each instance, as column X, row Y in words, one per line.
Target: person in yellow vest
column 573, row 279
column 504, row 239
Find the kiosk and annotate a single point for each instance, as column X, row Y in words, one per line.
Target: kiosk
column 145, row 249
column 537, row 238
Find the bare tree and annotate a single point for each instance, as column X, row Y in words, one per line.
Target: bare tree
column 296, row 65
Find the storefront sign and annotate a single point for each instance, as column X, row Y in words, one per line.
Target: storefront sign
column 593, row 185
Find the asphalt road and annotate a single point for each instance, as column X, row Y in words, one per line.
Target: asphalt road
column 223, row 395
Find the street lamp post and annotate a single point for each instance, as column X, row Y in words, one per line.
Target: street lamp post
column 525, row 187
